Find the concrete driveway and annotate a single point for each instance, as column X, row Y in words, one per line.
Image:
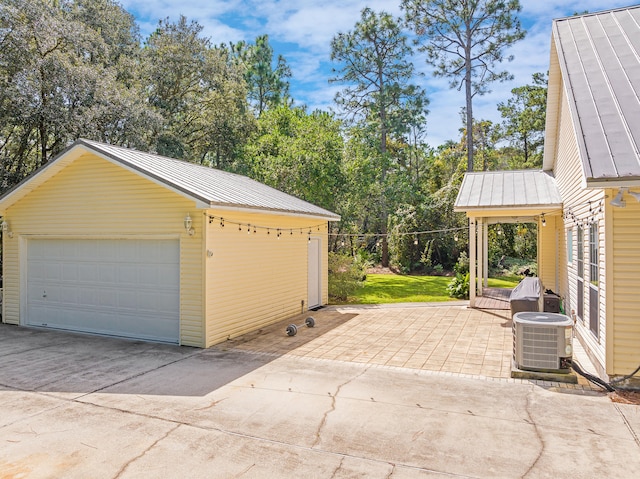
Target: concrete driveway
column 79, row 406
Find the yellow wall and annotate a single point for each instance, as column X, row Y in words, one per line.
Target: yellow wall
column 582, row 203
column 625, row 291
column 249, row 281
column 255, row 279
column 548, row 258
column 95, row 198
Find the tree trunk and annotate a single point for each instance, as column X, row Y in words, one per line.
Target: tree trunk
column 383, row 152
column 468, row 93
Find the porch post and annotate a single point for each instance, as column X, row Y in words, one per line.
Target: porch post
column 472, row 262
column 485, row 249
column 481, row 254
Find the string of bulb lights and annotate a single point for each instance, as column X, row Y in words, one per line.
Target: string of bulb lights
column 595, row 208
column 279, row 231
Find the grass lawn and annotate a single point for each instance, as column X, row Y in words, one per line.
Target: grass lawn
column 392, row 288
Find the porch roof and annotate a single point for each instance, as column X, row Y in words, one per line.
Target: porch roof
column 523, row 192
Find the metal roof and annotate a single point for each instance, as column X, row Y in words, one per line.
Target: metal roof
column 208, row 186
column 512, row 190
column 599, row 56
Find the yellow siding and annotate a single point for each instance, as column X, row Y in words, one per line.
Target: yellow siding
column 95, row 198
column 548, row 252
column 255, row 279
column 624, row 296
column 582, row 203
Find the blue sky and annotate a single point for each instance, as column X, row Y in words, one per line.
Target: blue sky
column 301, row 31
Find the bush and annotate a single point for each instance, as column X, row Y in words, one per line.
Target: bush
column 346, row 275
column 458, row 287
column 462, row 265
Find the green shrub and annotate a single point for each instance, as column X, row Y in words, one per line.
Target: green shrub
column 462, row 265
column 437, row 269
column 459, row 286
column 346, row 274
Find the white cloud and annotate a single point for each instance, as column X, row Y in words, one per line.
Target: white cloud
column 301, row 30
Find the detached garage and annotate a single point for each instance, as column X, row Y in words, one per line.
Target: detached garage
column 111, row 241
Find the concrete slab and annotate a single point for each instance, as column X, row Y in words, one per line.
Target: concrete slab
column 75, row 364
column 74, row 406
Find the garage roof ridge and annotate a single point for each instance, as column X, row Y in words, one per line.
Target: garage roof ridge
column 208, row 186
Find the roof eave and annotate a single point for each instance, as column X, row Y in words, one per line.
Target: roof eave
column 254, row 209
column 617, row 182
column 40, row 176
column 524, row 210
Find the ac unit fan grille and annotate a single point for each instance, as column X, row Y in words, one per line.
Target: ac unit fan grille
column 539, row 347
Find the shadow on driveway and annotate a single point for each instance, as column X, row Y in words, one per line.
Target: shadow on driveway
column 79, row 364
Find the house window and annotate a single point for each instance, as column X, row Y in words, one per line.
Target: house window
column 580, row 252
column 593, row 254
column 570, row 246
column 580, row 273
column 593, row 279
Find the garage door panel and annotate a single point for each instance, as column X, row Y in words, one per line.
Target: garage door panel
column 70, row 272
column 53, row 271
column 125, row 288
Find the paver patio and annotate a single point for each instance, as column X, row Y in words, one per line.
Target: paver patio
column 445, row 337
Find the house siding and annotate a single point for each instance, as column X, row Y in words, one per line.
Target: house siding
column 243, row 262
column 547, row 252
column 581, row 206
column 94, row 198
column 624, row 297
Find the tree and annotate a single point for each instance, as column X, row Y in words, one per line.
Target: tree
column 300, row 154
column 373, row 60
column 524, row 121
column 59, row 82
column 464, row 40
column 200, row 93
column 268, row 86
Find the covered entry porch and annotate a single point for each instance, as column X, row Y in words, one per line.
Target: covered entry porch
column 499, row 197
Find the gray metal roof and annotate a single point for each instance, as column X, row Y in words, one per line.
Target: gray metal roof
column 521, row 189
column 214, row 187
column 599, row 58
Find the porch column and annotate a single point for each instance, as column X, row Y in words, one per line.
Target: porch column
column 485, row 249
column 472, row 262
column 481, row 254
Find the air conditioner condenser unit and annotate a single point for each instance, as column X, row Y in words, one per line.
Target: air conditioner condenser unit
column 542, row 341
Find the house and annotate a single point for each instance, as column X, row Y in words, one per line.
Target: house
column 586, row 200
column 112, row 241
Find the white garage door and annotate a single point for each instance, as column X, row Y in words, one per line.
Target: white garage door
column 117, row 287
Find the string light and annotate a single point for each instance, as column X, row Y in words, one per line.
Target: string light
column 360, row 237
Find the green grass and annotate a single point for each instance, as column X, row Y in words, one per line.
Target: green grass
column 391, row 288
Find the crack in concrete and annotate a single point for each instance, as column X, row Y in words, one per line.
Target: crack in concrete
column 337, row 469
column 213, row 403
column 242, row 473
column 142, row 454
column 538, row 435
column 325, row 417
column 628, row 424
column 264, row 439
column 393, row 470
